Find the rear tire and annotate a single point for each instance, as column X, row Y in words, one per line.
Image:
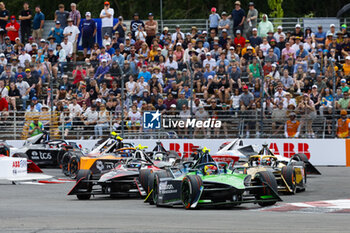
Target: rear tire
column 190, row 189
column 289, row 176
column 143, row 178
column 150, row 184
column 155, row 193
column 84, row 175
column 301, row 157
column 73, row 166
column 268, row 178
column 65, row 162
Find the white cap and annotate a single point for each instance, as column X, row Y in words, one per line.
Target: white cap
column 98, row 101
column 314, row 86
column 313, row 71
column 210, row 77
column 216, row 38
column 297, row 26
column 238, row 31
column 301, row 44
column 204, row 32
column 207, row 54
column 254, row 29
column 108, row 43
column 279, row 27
column 232, row 47
column 274, row 65
column 347, row 58
column 103, row 60
column 17, row 38
column 178, row 44
column 332, row 25
column 88, row 13
column 173, row 106
column 2, row 55
column 224, row 30
column 42, row 40
column 343, row 80
column 250, row 47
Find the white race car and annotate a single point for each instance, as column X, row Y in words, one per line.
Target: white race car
column 235, row 151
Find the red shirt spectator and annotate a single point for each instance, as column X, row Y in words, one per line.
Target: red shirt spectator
column 239, row 39
column 79, row 74
column 4, row 105
column 12, row 28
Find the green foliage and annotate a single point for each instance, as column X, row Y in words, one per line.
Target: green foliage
column 276, row 8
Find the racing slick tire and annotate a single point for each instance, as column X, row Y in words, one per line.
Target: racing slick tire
column 4, row 150
column 300, row 157
column 269, row 178
column 73, row 166
column 20, row 155
column 289, row 176
column 190, row 189
column 64, row 162
column 299, row 163
column 150, row 184
column 155, row 193
column 143, row 178
column 84, row 175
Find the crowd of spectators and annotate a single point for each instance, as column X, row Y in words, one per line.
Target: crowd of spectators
column 226, row 64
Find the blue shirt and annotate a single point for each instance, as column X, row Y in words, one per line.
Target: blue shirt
column 88, row 27
column 119, row 59
column 225, row 61
column 206, row 74
column 37, row 20
column 277, row 51
column 37, row 107
column 303, row 54
column 111, row 51
column 321, row 35
column 214, row 20
column 58, row 34
column 146, row 75
column 101, row 71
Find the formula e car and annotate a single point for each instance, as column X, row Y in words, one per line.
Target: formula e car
column 235, row 152
column 43, row 151
column 103, row 157
column 209, row 183
column 121, row 180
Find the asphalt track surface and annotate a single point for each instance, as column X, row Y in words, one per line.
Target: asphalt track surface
column 47, row 208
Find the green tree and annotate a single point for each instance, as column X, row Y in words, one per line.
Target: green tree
column 276, row 8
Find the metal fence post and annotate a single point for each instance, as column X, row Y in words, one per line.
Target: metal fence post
column 14, row 125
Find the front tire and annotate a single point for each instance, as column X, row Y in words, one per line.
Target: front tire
column 268, row 178
column 289, row 176
column 73, row 167
column 190, row 190
column 84, row 175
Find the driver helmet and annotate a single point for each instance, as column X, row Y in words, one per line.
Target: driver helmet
column 158, row 157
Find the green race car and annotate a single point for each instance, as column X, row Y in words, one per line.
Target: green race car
column 209, row 183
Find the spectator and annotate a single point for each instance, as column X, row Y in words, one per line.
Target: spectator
column 103, row 121
column 88, row 33
column 140, row 34
column 246, row 99
column 160, row 106
column 279, row 34
column 151, row 27
column 224, row 22
column 307, row 110
column 255, row 69
column 264, row 26
column 238, row 17
column 134, row 25
column 214, row 19
column 72, row 32
column 292, row 127
column 287, row 81
column 120, row 27
column 36, row 127
column 320, row 36
column 106, row 15
column 344, row 102
column 278, row 116
column 288, row 101
column 12, row 29
column 202, row 115
column 169, row 101
column 61, row 15
column 13, row 95
column 75, row 14
column 67, row 47
column 23, row 57
column 90, row 119
column 251, row 21
column 101, row 71
column 26, row 22
column 4, row 16
column 343, row 125
column 66, row 121
column 239, row 39
column 177, row 34
column 57, row 32
column 326, row 102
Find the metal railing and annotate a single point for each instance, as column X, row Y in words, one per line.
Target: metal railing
column 233, row 124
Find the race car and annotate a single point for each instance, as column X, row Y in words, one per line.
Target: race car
column 103, row 157
column 121, row 180
column 235, row 152
column 290, row 178
column 43, row 151
column 209, row 183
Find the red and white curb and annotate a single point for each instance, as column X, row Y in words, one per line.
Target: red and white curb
column 49, row 181
column 328, row 206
